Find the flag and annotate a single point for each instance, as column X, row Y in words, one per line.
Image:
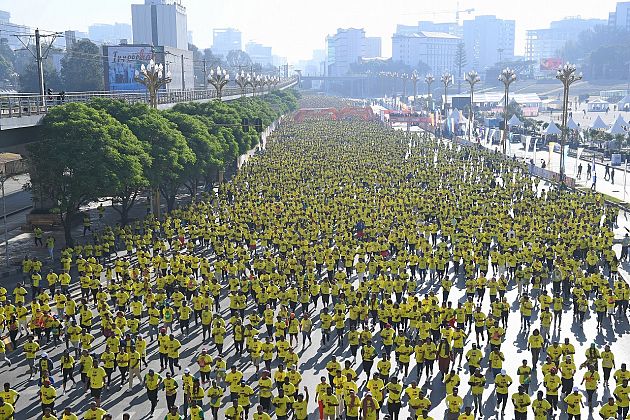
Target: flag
column 528, row 140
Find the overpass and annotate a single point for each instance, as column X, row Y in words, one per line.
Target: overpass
column 20, row 114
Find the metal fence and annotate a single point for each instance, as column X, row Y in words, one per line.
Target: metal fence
column 19, row 105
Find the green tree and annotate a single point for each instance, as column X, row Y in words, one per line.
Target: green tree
column 206, row 147
column 82, row 67
column 29, row 80
column 170, row 154
column 7, row 64
column 84, row 154
column 460, row 63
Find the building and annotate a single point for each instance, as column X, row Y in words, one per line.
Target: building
column 8, row 29
column 109, row 34
column 451, row 28
column 435, row 49
column 259, row 53
column 343, row 49
column 621, row 16
column 70, row 38
column 122, row 61
column 373, row 46
column 543, row 46
column 488, row 41
column 225, row 40
column 160, row 22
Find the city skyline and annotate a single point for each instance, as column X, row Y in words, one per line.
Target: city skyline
column 297, row 37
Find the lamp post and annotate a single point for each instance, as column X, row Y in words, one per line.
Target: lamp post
column 447, row 80
column 414, row 80
column 242, row 80
column 153, row 78
column 507, row 77
column 256, row 81
column 429, row 79
column 219, row 78
column 566, row 74
column 404, row 78
column 472, row 78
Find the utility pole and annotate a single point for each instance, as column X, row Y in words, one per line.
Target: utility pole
column 40, row 65
column 39, row 57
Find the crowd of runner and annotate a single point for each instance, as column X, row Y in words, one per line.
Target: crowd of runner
column 406, row 262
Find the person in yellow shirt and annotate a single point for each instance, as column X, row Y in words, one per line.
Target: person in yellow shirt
column 10, row 396
column 467, row 414
column 6, row 410
column 173, row 353
column 621, row 394
column 94, row 412
column 369, row 407
column 521, row 402
column 96, row 378
column 534, row 344
column 541, row 407
column 591, row 381
column 260, row 413
column 394, row 396
column 68, row 414
column 47, row 396
column 501, row 383
column 454, row 404
column 170, row 386
column 609, row 410
column 300, row 406
column 152, row 382
column 477, row 384
column 282, row 403
column 574, row 403
column 234, row 412
column 173, row 414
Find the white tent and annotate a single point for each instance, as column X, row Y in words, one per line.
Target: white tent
column 551, row 129
column 624, row 104
column 599, row 124
column 618, row 127
column 571, row 125
column 514, row 121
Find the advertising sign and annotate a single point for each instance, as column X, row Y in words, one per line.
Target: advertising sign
column 122, row 63
column 550, row 64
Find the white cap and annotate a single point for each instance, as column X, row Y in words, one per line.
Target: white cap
column 502, row 371
column 575, row 389
column 186, row 370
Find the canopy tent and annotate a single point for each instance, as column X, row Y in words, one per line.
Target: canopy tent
column 599, row 124
column 571, row 125
column 618, row 127
column 514, row 121
column 624, row 104
column 551, row 129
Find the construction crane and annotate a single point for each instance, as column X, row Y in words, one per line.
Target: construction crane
column 448, row 12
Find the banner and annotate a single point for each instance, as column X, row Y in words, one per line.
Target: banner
column 528, row 140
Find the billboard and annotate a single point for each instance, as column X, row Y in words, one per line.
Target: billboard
column 550, row 64
column 122, row 63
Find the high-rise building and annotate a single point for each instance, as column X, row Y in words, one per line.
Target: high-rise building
column 435, row 49
column 621, row 16
column 543, row 46
column 344, row 48
column 225, row 40
column 259, row 54
column 373, row 46
column 109, row 34
column 8, row 29
column 160, row 22
column 451, row 28
column 487, row 41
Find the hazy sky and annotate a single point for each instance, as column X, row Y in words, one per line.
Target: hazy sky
column 295, row 27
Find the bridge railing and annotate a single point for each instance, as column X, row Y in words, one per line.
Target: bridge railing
column 25, row 104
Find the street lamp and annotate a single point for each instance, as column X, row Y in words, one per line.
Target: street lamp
column 219, row 78
column 256, row 81
column 242, row 80
column 566, row 74
column 472, row 78
column 414, row 80
column 507, row 77
column 447, row 80
column 429, row 79
column 404, row 78
column 153, row 78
